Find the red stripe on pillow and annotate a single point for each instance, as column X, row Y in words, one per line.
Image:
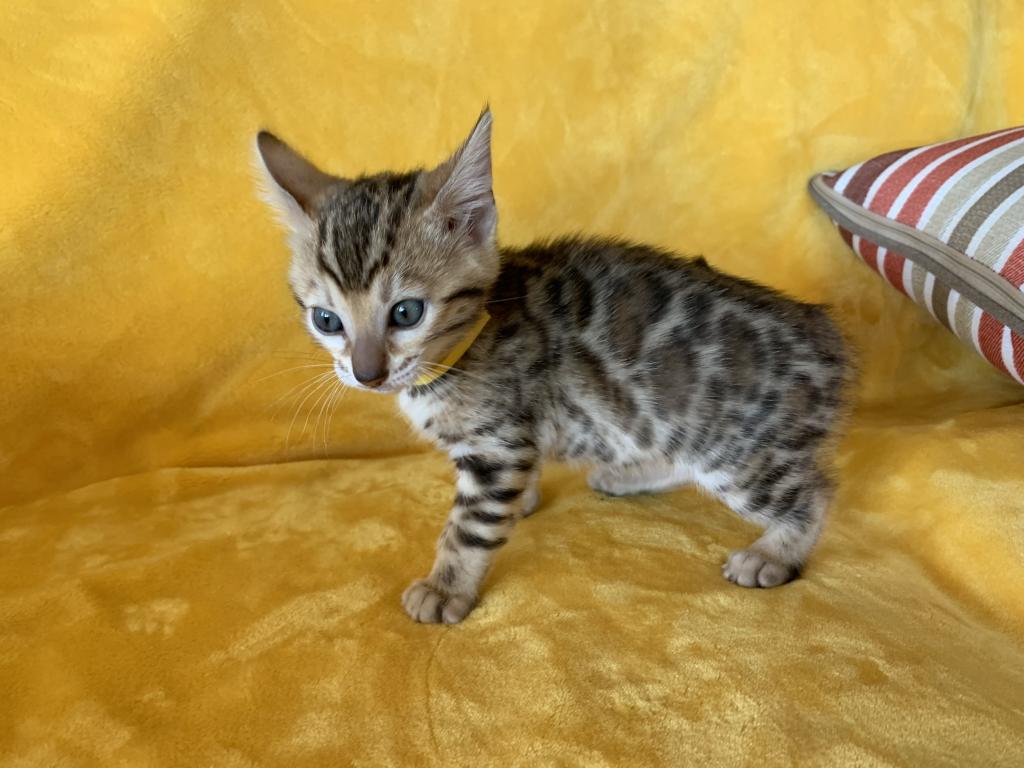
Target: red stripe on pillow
column 861, row 182
column 990, row 338
column 892, row 186
column 867, row 251
column 924, row 193
column 847, row 235
column 893, row 270
column 1018, row 356
column 1013, row 270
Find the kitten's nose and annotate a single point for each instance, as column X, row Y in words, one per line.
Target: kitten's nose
column 373, row 378
column 369, row 362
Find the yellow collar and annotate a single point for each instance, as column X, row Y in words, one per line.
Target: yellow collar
column 456, row 354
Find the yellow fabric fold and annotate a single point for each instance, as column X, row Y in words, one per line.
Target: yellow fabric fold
column 203, row 546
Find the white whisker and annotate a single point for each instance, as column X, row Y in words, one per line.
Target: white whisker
column 312, row 356
column 336, row 396
column 294, row 368
column 312, row 408
column 320, row 384
column 342, row 391
column 318, row 427
column 298, row 389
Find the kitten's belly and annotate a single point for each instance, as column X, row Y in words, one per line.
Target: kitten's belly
column 576, row 438
column 596, row 437
column 646, row 467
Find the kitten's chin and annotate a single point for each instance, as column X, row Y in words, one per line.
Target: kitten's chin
column 382, row 390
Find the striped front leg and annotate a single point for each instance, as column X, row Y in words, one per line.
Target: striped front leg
column 490, row 494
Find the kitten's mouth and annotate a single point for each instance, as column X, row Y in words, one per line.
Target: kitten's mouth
column 399, row 379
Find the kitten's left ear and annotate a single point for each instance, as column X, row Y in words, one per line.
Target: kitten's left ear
column 292, row 185
column 462, row 186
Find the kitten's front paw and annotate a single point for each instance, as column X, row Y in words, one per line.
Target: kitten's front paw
column 428, row 604
column 749, row 568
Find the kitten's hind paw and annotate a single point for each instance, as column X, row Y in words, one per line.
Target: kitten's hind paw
column 749, row 568
column 427, row 604
column 608, row 483
column 531, row 500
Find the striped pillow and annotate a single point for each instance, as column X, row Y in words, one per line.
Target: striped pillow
column 944, row 224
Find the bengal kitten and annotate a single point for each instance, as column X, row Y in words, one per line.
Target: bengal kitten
column 654, row 370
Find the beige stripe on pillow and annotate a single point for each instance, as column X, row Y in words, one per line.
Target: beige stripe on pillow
column 962, row 318
column 985, row 206
column 967, row 186
column 917, row 277
column 1005, row 229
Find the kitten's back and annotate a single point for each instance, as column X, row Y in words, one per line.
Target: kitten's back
column 631, row 295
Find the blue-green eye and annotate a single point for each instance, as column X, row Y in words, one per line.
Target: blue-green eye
column 326, row 321
column 407, row 313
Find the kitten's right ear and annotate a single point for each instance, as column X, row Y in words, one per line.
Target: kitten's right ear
column 291, row 185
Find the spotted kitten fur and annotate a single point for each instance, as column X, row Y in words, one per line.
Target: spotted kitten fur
column 653, row 370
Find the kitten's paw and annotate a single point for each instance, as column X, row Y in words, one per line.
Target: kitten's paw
column 427, row 604
column 750, row 568
column 531, row 500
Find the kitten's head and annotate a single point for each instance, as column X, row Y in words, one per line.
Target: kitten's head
column 390, row 270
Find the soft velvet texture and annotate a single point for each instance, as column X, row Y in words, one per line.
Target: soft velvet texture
column 183, row 583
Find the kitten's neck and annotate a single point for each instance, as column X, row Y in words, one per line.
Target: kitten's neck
column 440, row 369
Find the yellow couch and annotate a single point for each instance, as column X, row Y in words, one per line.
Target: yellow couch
column 198, row 569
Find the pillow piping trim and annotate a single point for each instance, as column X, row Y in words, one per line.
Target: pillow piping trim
column 987, row 289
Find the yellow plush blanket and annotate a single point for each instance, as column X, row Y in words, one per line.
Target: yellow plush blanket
column 201, row 564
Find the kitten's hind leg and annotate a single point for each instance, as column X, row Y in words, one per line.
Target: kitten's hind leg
column 531, row 496
column 778, row 556
column 631, row 479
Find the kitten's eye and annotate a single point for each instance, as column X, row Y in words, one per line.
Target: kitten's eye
column 326, row 321
column 407, row 313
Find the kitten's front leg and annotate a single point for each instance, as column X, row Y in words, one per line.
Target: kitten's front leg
column 491, row 491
